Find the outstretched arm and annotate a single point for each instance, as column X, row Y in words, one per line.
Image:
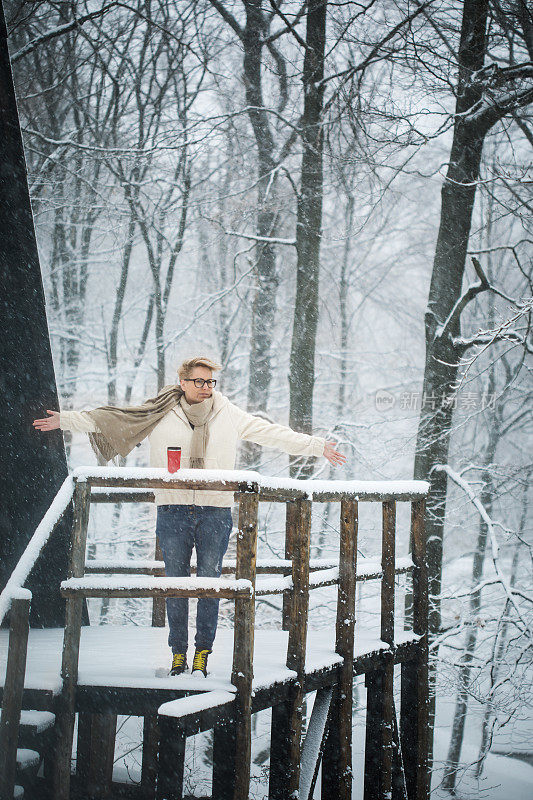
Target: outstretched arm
column 269, row 434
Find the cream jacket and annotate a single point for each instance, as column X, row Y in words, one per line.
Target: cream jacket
column 227, row 425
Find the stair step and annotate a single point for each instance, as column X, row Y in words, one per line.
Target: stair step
column 27, row 759
column 36, row 721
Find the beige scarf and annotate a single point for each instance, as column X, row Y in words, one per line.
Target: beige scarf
column 121, row 429
column 197, row 415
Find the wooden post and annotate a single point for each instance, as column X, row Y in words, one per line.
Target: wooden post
column 399, row 790
column 71, row 646
column 12, row 696
column 171, row 760
column 291, row 521
column 337, row 773
column 149, row 756
column 243, row 643
column 287, row 717
column 95, row 752
column 224, row 753
column 388, row 566
column 374, row 736
column 380, row 683
column 414, row 727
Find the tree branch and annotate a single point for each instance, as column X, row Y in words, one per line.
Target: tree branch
column 472, row 291
column 289, row 25
column 495, row 548
column 227, row 17
column 60, row 31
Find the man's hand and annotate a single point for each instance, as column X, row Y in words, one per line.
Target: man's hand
column 332, row 455
column 48, row 423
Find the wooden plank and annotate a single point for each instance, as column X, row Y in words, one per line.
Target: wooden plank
column 83, row 747
column 95, row 752
column 139, row 496
column 176, row 482
column 224, row 759
column 364, row 496
column 388, row 541
column 345, row 639
column 340, row 762
column 71, row 646
column 388, row 556
column 287, row 719
column 149, row 756
column 225, row 593
column 171, row 759
column 81, row 501
column 13, row 693
column 280, row 751
column 281, row 495
column 291, row 518
column 373, row 777
column 243, row 644
column 300, row 594
column 414, row 718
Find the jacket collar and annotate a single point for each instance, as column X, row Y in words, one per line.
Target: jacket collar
column 219, row 401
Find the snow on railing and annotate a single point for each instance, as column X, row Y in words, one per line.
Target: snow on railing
column 13, row 587
column 311, row 489
column 146, row 583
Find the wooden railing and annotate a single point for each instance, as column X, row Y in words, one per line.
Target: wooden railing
column 16, row 601
column 137, row 485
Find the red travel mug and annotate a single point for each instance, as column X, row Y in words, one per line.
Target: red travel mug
column 173, row 458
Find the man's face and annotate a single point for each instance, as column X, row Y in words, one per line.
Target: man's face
column 192, row 393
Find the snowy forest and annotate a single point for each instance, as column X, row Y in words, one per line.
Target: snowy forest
column 333, row 199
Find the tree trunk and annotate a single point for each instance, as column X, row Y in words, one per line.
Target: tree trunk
column 308, row 228
column 461, row 703
column 264, row 303
column 33, row 467
column 442, row 358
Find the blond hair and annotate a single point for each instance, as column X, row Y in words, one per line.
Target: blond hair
column 185, row 369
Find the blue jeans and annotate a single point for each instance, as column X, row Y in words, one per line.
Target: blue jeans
column 179, row 529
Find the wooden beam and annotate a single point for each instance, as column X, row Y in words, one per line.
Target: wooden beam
column 291, row 518
column 176, row 482
column 81, row 502
column 71, row 646
column 243, row 644
column 224, row 759
column 171, row 759
column 154, row 591
column 12, row 694
column 414, row 719
column 287, row 720
column 388, row 547
column 95, row 753
column 149, row 756
column 337, row 759
column 300, row 592
column 373, row 777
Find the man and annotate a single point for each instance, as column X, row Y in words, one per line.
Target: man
column 207, row 427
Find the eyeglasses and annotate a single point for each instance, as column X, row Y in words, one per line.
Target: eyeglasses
column 200, row 383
